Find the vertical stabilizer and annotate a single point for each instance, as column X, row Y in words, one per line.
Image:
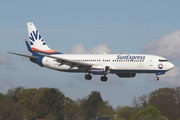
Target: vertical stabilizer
column 37, row 43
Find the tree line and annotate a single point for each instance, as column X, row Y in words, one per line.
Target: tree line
column 51, row 104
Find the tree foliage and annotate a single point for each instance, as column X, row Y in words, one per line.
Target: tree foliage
column 105, row 110
column 52, row 104
column 148, row 111
column 150, row 117
column 126, row 112
column 13, row 93
column 70, row 108
column 92, row 103
column 42, row 102
column 165, row 99
column 10, row 110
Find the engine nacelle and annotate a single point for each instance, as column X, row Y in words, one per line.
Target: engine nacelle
column 126, row 75
column 100, row 70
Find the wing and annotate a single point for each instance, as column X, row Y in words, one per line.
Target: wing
column 81, row 65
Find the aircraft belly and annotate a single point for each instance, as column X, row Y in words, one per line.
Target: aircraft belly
column 138, row 67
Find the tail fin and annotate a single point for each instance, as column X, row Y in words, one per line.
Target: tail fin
column 37, row 43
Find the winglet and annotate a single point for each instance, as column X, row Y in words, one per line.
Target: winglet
column 28, row 46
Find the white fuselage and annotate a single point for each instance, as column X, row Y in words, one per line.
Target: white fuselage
column 138, row 63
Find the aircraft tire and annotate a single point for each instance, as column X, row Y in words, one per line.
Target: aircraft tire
column 88, row 77
column 104, row 78
column 156, row 78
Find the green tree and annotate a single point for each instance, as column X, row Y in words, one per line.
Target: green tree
column 177, row 97
column 42, row 102
column 70, row 108
column 105, row 110
column 146, row 117
column 52, row 102
column 13, row 93
column 162, row 118
column 92, row 102
column 150, row 117
column 164, row 100
column 126, row 112
column 2, row 96
column 81, row 107
column 149, row 110
column 51, row 117
column 11, row 110
column 29, row 98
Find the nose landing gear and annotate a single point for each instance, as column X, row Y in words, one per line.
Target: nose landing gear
column 156, row 78
column 159, row 73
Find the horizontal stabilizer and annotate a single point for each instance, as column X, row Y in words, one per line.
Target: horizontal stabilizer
column 28, row 56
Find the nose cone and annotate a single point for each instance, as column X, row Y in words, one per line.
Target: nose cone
column 170, row 66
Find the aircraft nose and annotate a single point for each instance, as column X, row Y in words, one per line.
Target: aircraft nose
column 171, row 66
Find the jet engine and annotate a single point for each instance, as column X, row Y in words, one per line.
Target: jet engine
column 100, row 70
column 126, row 75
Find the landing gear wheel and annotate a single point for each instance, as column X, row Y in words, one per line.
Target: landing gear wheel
column 88, row 77
column 104, row 78
column 156, row 78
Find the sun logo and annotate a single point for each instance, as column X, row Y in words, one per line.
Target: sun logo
column 36, row 37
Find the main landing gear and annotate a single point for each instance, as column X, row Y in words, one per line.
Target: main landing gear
column 89, row 77
column 104, row 78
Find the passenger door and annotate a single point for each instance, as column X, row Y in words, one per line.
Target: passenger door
column 151, row 61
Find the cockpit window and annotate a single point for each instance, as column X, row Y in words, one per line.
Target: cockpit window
column 161, row 60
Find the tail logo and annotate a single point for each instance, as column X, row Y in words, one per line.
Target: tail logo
column 35, row 36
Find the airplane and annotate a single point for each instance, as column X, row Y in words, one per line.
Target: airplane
column 122, row 65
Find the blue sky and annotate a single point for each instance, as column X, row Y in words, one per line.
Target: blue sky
column 151, row 27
